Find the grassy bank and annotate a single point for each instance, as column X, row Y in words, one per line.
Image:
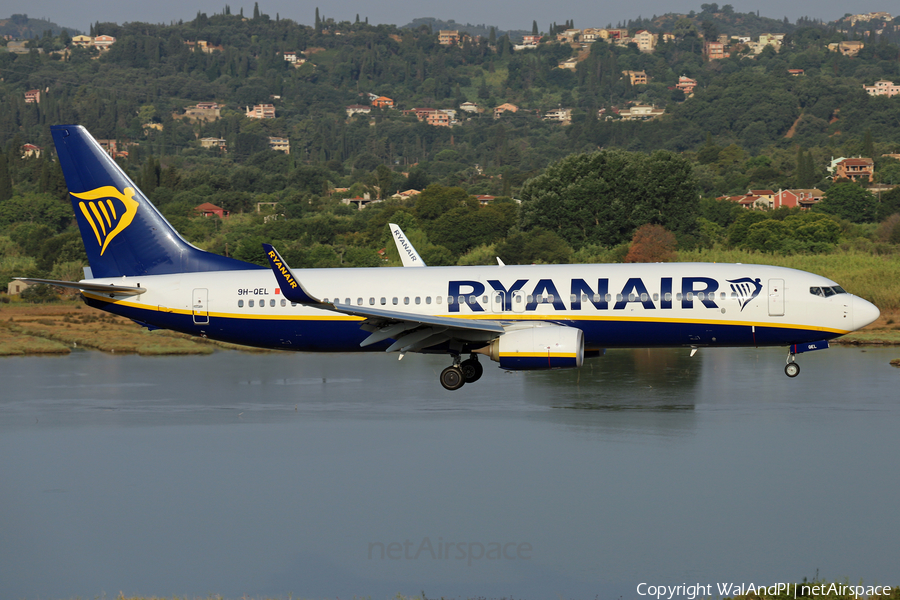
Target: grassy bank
column 58, row 327
column 875, row 278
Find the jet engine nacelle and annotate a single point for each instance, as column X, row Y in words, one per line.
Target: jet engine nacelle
column 540, row 346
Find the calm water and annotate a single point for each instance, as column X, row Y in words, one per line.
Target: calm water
column 294, row 474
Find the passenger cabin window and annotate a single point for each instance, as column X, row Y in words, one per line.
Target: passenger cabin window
column 383, row 301
column 406, row 300
column 272, row 302
column 240, row 304
column 449, row 299
column 250, row 303
column 359, row 301
column 668, row 296
column 437, row 299
column 427, row 299
column 394, row 301
column 418, row 300
column 283, row 302
column 372, row 301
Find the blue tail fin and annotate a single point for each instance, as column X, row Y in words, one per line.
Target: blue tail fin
column 123, row 233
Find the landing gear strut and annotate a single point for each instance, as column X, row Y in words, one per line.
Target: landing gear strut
column 461, row 373
column 791, row 369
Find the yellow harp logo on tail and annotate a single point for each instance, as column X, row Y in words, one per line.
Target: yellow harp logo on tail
column 108, row 211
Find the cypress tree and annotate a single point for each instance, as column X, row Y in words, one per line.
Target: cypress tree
column 868, row 148
column 534, row 29
column 256, row 10
column 318, row 20
column 6, row 190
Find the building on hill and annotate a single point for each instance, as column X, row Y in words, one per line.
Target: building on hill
column 469, row 107
column 640, row 112
column 211, row 210
column 383, row 102
column 715, row 51
column 210, row 142
column 852, row 168
column 448, row 37
column 103, row 42
column 358, row 109
column 261, row 111
column 646, row 41
column 764, row 198
column 33, row 97
column 202, row 111
column 280, row 144
column 505, row 107
column 16, row 287
column 82, row 41
column 851, row 48
column 438, row 118
column 561, row 115
column 883, row 88
column 799, row 198
column 686, row 85
column 30, row 150
column 636, row 77
column 795, row 72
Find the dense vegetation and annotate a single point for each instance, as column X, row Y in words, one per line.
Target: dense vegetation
column 748, row 125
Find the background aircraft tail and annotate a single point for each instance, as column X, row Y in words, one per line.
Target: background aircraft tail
column 123, row 233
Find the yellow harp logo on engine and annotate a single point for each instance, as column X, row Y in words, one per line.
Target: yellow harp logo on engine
column 108, row 211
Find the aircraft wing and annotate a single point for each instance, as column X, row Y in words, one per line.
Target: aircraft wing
column 112, row 290
column 410, row 331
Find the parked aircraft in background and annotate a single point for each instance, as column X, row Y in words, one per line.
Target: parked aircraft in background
column 523, row 317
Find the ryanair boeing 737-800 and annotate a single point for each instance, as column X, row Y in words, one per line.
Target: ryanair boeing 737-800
column 523, row 317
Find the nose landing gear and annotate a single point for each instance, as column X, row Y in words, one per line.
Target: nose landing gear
column 461, row 373
column 791, row 369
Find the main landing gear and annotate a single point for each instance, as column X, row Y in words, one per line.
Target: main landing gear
column 461, row 373
column 791, row 369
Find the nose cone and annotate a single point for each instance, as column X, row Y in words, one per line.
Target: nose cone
column 864, row 312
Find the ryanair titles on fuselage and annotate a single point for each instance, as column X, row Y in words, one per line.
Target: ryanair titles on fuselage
column 546, row 292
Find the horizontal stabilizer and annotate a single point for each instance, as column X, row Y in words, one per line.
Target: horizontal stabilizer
column 117, row 290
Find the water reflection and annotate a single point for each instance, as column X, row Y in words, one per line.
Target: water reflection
column 273, row 474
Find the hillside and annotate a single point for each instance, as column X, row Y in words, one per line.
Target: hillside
column 747, row 124
column 20, row 26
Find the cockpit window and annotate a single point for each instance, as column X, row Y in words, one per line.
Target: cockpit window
column 825, row 292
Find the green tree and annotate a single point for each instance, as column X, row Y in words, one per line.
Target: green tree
column 849, row 201
column 6, row 189
column 601, row 198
